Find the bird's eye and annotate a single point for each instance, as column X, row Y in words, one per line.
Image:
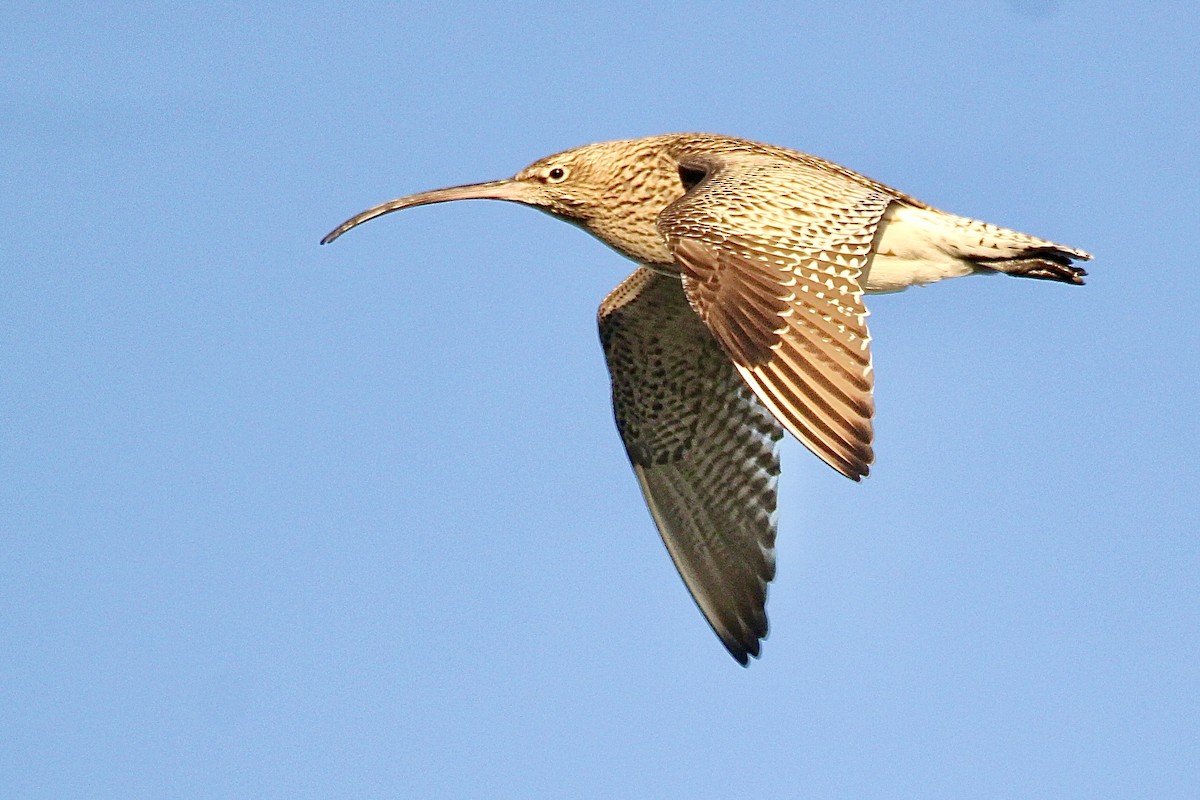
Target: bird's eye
column 556, row 175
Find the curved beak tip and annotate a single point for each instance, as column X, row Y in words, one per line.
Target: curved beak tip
column 493, row 190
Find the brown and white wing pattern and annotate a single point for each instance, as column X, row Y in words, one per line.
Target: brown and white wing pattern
column 770, row 250
column 704, row 450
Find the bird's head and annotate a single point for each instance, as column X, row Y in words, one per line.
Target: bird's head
column 614, row 190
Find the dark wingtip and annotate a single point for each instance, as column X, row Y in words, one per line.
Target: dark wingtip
column 740, row 654
column 742, row 651
column 858, row 470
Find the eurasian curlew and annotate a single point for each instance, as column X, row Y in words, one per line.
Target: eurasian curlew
column 744, row 318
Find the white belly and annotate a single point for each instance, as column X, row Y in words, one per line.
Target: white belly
column 912, row 246
column 893, row 273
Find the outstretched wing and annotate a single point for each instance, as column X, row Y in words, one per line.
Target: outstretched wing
column 703, row 448
column 770, row 250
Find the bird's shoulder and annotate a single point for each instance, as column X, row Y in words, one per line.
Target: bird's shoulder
column 713, row 152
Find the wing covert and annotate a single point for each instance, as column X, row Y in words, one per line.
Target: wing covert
column 770, row 251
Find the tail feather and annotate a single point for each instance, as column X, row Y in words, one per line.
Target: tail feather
column 991, row 247
column 922, row 245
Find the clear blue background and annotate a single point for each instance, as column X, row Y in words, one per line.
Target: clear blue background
column 284, row 521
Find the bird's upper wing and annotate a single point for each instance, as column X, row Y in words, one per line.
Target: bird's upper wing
column 770, row 251
column 703, row 448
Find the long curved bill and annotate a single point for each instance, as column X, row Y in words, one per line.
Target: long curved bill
column 508, row 189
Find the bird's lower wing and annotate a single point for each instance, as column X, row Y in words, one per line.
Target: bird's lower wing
column 704, row 450
column 770, row 252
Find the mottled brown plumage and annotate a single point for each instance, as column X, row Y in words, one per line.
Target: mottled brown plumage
column 745, row 318
column 704, row 450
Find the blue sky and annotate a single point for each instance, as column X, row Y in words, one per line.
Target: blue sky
column 288, row 521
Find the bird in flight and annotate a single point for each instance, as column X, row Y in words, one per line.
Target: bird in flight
column 744, row 319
